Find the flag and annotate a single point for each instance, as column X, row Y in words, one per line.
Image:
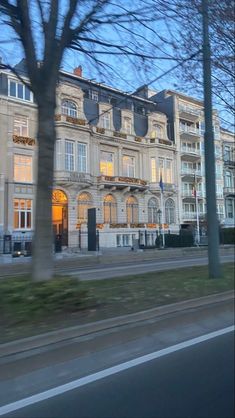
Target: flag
column 161, row 183
column 194, row 191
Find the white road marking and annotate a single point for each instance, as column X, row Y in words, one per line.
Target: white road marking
column 14, row 406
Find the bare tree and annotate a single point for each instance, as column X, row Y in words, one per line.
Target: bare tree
column 184, row 21
column 46, row 29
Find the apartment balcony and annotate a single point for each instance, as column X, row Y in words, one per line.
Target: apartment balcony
column 190, row 155
column 192, row 216
column 189, row 112
column 168, row 187
column 187, row 172
column 69, row 120
column 188, row 194
column 122, row 183
column 189, row 133
column 229, row 191
column 69, row 177
column 229, row 163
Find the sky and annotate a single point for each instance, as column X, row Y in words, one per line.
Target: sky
column 127, row 73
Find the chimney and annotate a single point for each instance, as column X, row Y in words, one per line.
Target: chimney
column 78, row 71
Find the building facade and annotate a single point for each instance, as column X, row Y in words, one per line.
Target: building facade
column 112, row 151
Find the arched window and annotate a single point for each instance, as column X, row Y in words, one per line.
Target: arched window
column 170, row 211
column 132, row 209
column 69, row 108
column 110, row 209
column 152, row 210
column 84, row 203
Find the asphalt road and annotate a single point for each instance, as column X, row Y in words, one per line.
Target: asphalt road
column 194, row 381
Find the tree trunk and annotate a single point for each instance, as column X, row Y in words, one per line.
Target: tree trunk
column 42, row 266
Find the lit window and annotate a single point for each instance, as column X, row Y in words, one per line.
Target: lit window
column 127, row 125
column 157, row 130
column 132, row 209
column 69, row 156
column 20, row 91
column 105, row 120
column 153, row 170
column 110, row 209
column 106, row 163
column 84, row 203
column 22, row 213
column 69, row 108
column 20, row 126
column 128, row 166
column 23, row 168
column 168, row 171
column 82, row 157
column 152, row 210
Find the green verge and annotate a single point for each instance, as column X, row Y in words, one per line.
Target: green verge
column 28, row 308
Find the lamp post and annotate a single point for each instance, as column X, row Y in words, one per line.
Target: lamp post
column 159, row 212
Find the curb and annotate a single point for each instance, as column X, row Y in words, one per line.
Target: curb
column 61, row 335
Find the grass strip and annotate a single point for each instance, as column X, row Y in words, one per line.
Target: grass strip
column 28, row 308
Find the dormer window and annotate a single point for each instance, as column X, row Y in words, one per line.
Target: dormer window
column 157, row 130
column 105, row 120
column 69, row 108
column 127, row 125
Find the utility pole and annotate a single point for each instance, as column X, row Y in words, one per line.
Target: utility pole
column 212, row 220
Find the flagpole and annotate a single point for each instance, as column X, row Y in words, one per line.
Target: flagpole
column 197, row 211
column 163, row 220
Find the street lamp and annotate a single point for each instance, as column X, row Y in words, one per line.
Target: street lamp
column 159, row 213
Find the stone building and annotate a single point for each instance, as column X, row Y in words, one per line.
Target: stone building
column 111, row 152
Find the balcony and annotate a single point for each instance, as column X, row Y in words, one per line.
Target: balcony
column 192, row 216
column 70, row 120
column 188, row 194
column 230, row 163
column 190, row 133
column 122, row 183
column 168, row 187
column 188, row 172
column 70, row 177
column 23, row 140
column 229, row 191
column 189, row 154
column 189, row 112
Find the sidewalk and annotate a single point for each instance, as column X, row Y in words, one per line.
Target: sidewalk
column 44, row 341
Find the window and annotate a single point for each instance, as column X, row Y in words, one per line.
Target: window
column 153, row 170
column 106, row 163
column 170, row 211
column 152, row 210
column 157, row 130
column 58, row 155
column 189, row 207
column 93, row 95
column 69, row 108
column 110, row 209
column 20, row 126
column 20, row 91
column 168, row 171
column 228, row 179
column 22, row 213
column 227, row 153
column 127, row 125
column 69, row 156
column 23, row 168
column 84, row 203
column 132, row 210
column 82, row 157
column 229, row 208
column 128, row 166
column 105, row 120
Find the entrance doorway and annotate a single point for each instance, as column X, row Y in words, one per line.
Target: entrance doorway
column 60, row 215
